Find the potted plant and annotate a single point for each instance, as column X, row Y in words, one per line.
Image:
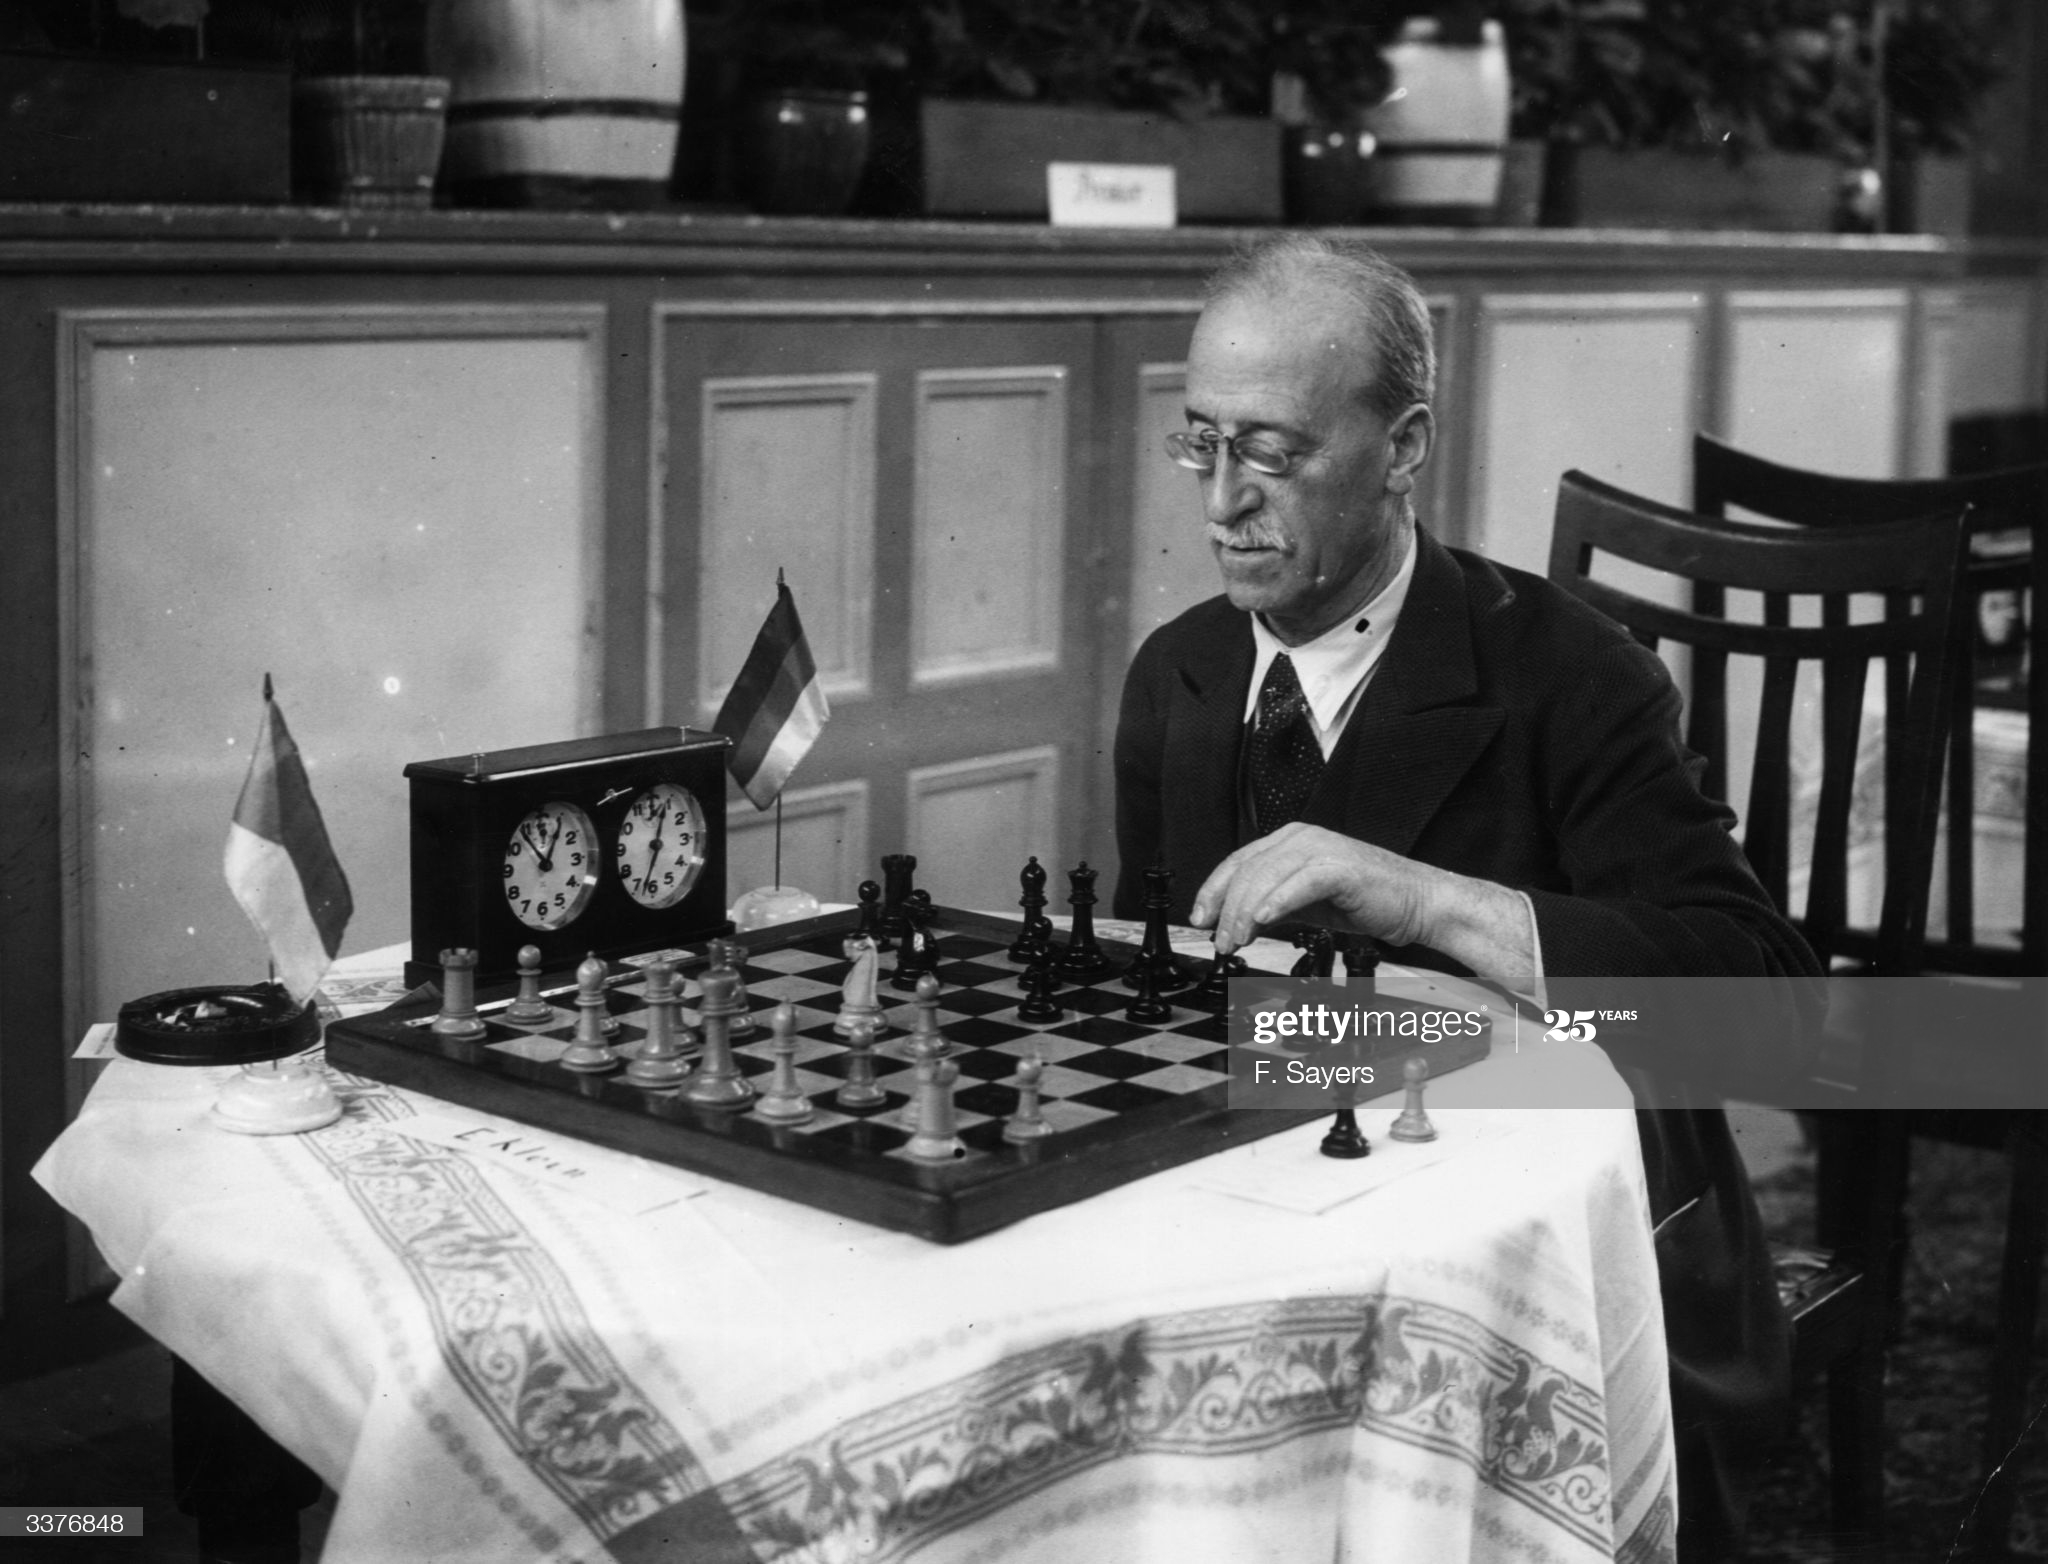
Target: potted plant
column 367, row 121
column 793, row 82
column 1687, row 113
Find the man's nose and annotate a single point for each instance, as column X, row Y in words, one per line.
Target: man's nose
column 1228, row 494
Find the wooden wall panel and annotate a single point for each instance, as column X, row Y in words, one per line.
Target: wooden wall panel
column 1816, row 378
column 973, row 823
column 1172, row 568
column 1608, row 383
column 789, row 482
column 824, row 842
column 2000, row 342
column 396, row 513
column 989, row 539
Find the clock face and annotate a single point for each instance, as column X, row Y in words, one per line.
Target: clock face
column 552, row 865
column 660, row 849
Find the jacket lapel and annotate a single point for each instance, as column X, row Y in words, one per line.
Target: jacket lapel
column 1204, row 728
column 1416, row 731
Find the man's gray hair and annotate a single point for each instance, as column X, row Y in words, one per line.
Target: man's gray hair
column 1387, row 303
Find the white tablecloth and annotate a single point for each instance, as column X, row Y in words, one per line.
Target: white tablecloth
column 1462, row 1359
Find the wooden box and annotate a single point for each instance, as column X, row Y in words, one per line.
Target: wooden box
column 84, row 128
column 988, row 159
column 1779, row 192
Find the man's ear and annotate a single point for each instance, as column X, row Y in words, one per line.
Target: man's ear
column 1409, row 440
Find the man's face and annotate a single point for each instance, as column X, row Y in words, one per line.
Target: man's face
column 1310, row 546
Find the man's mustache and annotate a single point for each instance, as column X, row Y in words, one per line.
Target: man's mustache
column 1251, row 536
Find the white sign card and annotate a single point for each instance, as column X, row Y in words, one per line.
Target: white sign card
column 625, row 1184
column 1110, row 195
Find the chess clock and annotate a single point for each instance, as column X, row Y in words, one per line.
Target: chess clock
column 610, row 845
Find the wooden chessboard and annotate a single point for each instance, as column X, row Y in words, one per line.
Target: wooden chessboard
column 1124, row 1098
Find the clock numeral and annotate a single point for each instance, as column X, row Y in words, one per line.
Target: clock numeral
column 625, row 828
column 513, row 852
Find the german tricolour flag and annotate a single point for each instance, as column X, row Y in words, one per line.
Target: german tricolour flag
column 280, row 864
column 776, row 708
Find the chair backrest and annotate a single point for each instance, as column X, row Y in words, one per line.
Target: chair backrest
column 1913, row 564
column 2008, row 514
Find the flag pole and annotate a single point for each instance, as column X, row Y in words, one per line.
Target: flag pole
column 778, row 841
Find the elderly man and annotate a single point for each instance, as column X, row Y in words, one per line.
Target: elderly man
column 1376, row 732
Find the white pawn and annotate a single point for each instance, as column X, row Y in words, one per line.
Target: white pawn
column 588, row 1052
column 1028, row 1122
column 784, row 1101
column 529, row 1009
column 1413, row 1124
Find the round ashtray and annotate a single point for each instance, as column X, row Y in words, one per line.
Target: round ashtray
column 219, row 1025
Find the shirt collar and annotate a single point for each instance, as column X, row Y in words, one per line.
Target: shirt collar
column 1334, row 665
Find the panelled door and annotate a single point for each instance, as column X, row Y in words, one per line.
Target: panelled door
column 924, row 483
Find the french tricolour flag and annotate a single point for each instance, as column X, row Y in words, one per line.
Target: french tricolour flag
column 776, row 708
column 280, row 864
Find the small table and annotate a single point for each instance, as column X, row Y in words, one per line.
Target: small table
column 1442, row 1351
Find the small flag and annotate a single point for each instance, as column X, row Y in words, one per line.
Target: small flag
column 776, row 708
column 280, row 864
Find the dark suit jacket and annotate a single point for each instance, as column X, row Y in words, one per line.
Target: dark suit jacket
column 1514, row 734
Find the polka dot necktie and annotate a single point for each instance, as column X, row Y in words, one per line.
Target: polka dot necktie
column 1286, row 762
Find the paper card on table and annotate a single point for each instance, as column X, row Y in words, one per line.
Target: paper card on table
column 633, row 1189
column 1110, row 195
column 1289, row 1173
column 98, row 1043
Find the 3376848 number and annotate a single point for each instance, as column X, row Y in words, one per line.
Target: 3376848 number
column 65, row 1520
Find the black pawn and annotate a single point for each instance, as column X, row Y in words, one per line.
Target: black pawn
column 1362, row 964
column 1041, row 984
column 1345, row 1139
column 871, row 913
column 1213, row 993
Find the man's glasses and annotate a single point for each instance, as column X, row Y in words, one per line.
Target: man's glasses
column 1201, row 452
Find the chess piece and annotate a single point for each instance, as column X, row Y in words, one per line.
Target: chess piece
column 1155, row 950
column 926, row 1040
column 1213, row 993
column 1083, row 960
column 918, row 953
column 718, row 1082
column 588, row 1052
column 870, row 895
column 657, row 1063
column 1413, row 1123
column 1345, row 1138
column 1035, row 938
column 936, row 1139
column 1319, row 953
column 1041, row 984
column 784, row 1101
column 897, row 869
column 731, row 955
column 1361, row 964
column 860, row 1090
column 458, row 1020
column 1027, row 1123
column 1146, row 1007
column 858, row 1000
column 529, row 1009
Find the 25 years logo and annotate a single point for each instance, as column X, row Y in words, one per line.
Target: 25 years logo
column 1580, row 1026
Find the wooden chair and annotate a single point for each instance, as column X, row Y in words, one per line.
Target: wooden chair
column 2003, row 502
column 1838, row 1302
column 2008, row 504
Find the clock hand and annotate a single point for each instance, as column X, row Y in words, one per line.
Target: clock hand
column 540, row 854
column 654, row 850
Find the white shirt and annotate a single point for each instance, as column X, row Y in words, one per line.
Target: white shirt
column 1334, row 670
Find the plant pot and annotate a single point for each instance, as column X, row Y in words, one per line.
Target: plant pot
column 1777, row 192
column 1328, row 171
column 1930, row 195
column 806, row 151
column 1443, row 128
column 989, row 159
column 559, row 103
column 368, row 141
